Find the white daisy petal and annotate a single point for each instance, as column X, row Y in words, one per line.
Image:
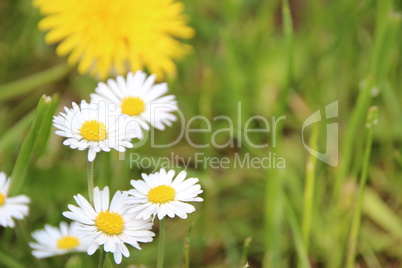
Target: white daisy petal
column 104, row 198
column 141, row 186
column 92, row 248
column 91, row 155
column 124, row 250
column 147, row 212
column 117, row 256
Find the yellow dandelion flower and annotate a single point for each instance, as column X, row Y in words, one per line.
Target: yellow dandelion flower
column 113, row 37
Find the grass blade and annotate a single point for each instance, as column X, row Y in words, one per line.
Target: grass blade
column 297, row 236
column 273, row 198
column 372, row 119
column 43, row 118
column 186, row 247
column 309, row 190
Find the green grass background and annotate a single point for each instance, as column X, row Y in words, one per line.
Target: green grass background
column 245, row 51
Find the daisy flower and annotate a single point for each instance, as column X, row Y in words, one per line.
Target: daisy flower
column 138, row 97
column 52, row 241
column 95, row 127
column 114, row 37
column 108, row 224
column 11, row 207
column 160, row 194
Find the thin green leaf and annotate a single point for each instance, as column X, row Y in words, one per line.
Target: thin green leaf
column 297, row 236
column 42, row 116
column 44, row 132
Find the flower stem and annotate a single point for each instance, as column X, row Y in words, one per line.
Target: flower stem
column 274, row 189
column 102, row 259
column 354, row 232
column 161, row 247
column 309, row 191
column 186, row 247
column 244, row 254
column 90, row 177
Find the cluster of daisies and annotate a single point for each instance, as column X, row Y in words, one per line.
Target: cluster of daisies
column 126, row 219
column 119, row 111
column 107, row 38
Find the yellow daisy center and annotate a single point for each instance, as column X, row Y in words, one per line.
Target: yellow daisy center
column 161, row 194
column 67, row 242
column 2, row 200
column 93, row 130
column 132, row 106
column 111, row 223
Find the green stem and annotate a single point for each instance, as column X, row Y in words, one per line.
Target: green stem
column 90, row 176
column 161, row 248
column 297, row 235
column 186, row 248
column 363, row 102
column 354, row 233
column 288, row 32
column 102, row 258
column 205, row 109
column 273, row 194
column 309, row 191
column 377, row 69
column 244, row 255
